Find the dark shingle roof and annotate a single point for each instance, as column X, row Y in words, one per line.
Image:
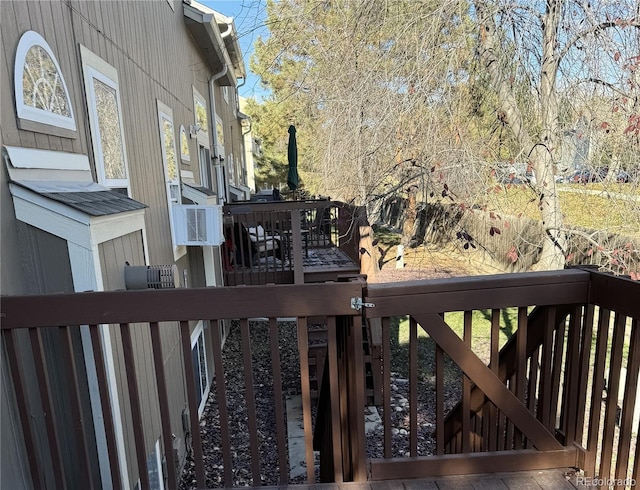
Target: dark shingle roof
column 96, row 203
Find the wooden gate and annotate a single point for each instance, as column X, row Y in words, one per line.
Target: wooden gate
column 477, row 402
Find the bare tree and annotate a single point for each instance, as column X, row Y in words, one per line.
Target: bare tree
column 425, row 98
column 555, row 43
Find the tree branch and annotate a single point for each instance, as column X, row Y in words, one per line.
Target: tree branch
column 596, row 28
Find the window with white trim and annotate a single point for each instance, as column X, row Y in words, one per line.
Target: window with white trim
column 199, row 362
column 170, row 164
column 201, row 117
column 105, row 121
column 220, row 137
column 206, row 178
column 40, row 90
column 185, row 155
column 225, row 93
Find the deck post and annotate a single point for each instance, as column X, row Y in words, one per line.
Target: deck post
column 296, row 245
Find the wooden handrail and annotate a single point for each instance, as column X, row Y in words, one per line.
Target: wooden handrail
column 546, row 369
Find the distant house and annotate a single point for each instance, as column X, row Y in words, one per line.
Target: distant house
column 121, row 138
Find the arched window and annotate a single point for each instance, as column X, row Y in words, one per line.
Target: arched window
column 41, row 93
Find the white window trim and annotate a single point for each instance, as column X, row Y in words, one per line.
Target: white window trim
column 158, row 462
column 231, row 168
column 225, row 93
column 185, row 157
column 165, row 112
column 27, row 41
column 197, row 332
column 220, row 146
column 95, row 67
column 202, row 136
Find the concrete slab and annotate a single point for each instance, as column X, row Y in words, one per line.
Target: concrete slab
column 295, row 435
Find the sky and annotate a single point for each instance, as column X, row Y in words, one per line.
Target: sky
column 249, row 17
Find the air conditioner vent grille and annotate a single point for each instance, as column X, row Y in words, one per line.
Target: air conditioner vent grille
column 197, row 225
column 150, row 277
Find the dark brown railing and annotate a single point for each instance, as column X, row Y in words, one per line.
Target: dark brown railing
column 548, row 398
column 139, row 315
column 267, row 242
column 551, row 396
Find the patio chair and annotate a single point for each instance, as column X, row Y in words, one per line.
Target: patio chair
column 254, row 243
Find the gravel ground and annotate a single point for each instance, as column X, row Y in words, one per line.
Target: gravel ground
column 400, row 428
column 445, row 266
column 264, row 399
column 237, row 407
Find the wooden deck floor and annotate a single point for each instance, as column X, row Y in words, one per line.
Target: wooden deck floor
column 325, row 264
column 524, row 480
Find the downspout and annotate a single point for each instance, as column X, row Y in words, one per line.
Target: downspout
column 217, row 164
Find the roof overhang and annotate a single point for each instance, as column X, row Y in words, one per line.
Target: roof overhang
column 70, row 224
column 229, row 33
column 53, row 191
column 199, row 195
column 203, row 25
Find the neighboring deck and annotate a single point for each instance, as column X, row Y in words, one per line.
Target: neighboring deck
column 291, row 242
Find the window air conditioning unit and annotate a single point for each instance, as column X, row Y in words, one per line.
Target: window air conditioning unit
column 150, row 276
column 197, row 225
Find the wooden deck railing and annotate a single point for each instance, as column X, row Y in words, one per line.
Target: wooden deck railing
column 552, row 396
column 136, row 315
column 267, row 242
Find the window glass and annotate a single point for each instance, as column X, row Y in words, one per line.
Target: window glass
column 201, row 115
column 220, row 134
column 184, row 145
column 105, row 121
column 40, row 90
column 41, row 83
column 169, row 148
column 109, row 129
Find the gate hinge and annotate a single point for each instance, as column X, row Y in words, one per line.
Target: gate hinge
column 357, row 304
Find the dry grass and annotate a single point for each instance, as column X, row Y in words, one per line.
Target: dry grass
column 615, row 208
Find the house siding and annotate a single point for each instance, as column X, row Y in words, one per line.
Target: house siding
column 156, row 58
column 113, row 255
column 45, row 260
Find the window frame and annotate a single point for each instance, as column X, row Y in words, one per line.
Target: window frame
column 166, row 113
column 196, row 335
column 94, row 67
column 202, row 135
column 33, row 118
column 185, row 157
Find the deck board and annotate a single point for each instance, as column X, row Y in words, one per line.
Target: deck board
column 538, row 480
